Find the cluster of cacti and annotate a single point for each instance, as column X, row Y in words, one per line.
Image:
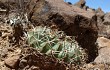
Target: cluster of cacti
column 55, row 43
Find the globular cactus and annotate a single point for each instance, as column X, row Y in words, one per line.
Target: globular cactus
column 56, row 43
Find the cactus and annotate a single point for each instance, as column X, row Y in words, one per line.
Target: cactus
column 56, row 43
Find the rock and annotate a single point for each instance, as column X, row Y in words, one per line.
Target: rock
column 42, row 8
column 80, row 4
column 100, row 15
column 96, row 66
column 104, row 56
column 104, row 25
column 34, row 68
column 103, row 51
column 103, row 22
column 3, row 8
column 3, row 52
column 107, row 19
column 23, row 63
column 4, row 35
column 103, row 42
column 91, row 10
column 86, row 7
column 12, row 62
column 89, row 66
column 99, row 11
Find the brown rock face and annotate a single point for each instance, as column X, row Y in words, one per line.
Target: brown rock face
column 72, row 20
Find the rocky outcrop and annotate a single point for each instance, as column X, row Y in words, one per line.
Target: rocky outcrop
column 107, row 19
column 103, row 21
column 80, row 4
column 74, row 21
column 99, row 11
column 71, row 19
column 100, row 15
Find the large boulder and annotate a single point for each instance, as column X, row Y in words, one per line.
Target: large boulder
column 45, row 7
column 103, row 51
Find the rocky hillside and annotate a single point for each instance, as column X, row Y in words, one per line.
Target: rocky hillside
column 90, row 27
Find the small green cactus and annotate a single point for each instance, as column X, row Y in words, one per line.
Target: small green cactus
column 56, row 43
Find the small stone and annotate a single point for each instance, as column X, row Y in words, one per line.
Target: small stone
column 90, row 66
column 23, row 63
column 34, row 68
column 3, row 52
column 12, row 62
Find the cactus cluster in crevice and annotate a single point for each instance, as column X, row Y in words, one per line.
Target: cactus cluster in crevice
column 56, row 43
